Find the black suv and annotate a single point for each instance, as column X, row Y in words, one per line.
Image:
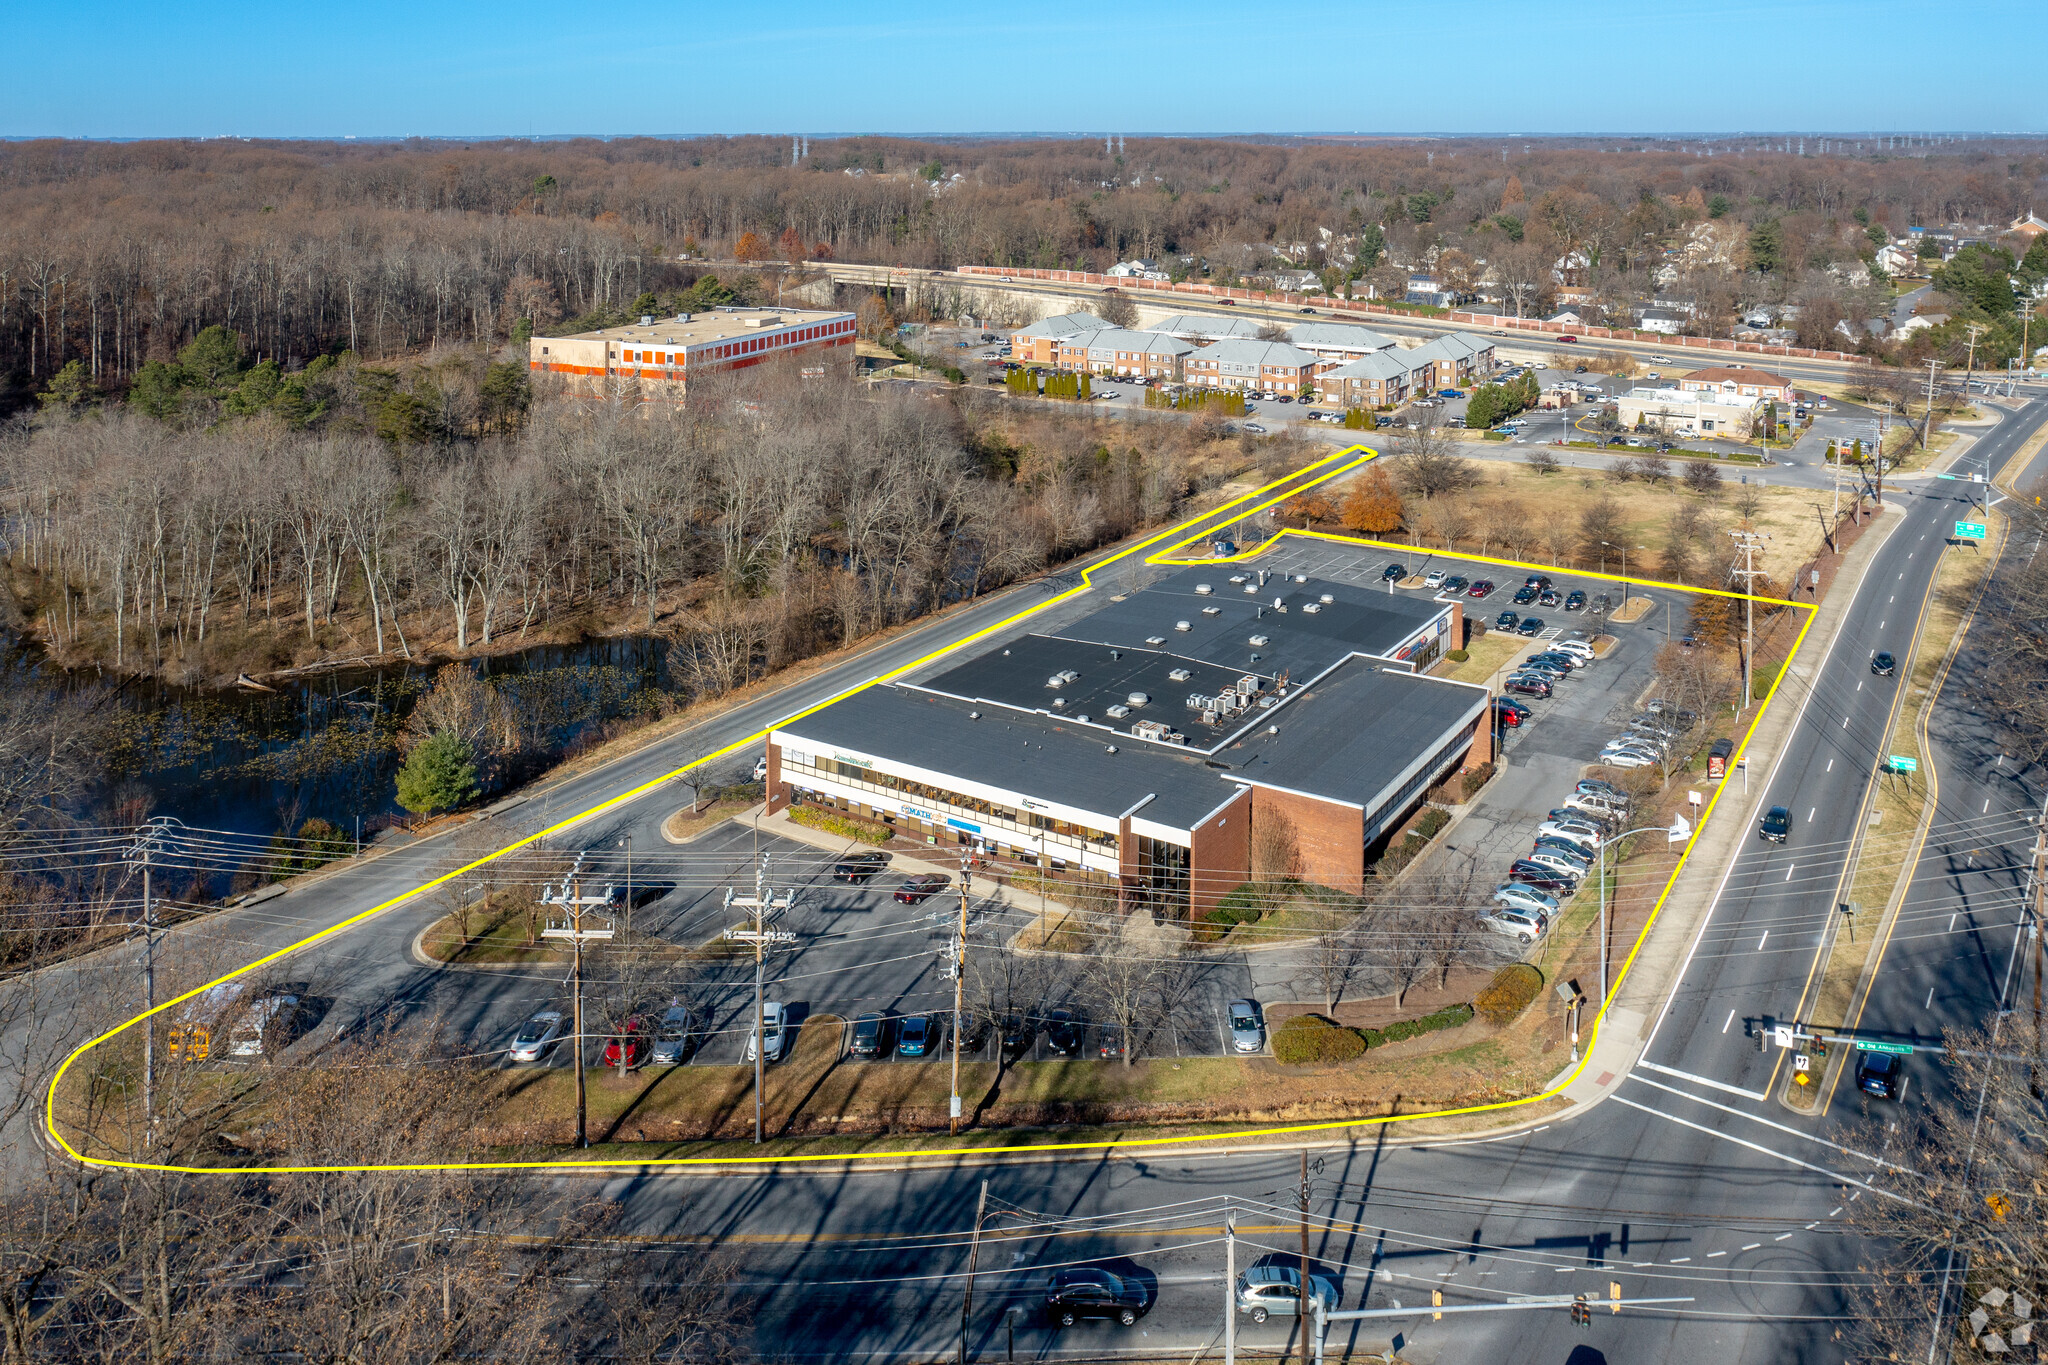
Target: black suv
column 1063, row 1033
column 860, row 867
column 1019, row 1034
column 1777, row 823
column 870, row 1036
column 1524, row 595
column 1085, row 1292
column 1575, row 601
column 1877, row 1073
column 1392, row 572
column 1883, row 664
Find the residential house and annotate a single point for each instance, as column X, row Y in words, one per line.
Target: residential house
column 1738, row 381
column 1428, row 289
column 1038, row 344
column 2029, row 225
column 1262, row 366
column 1124, row 354
column 1136, row 270
column 1661, row 320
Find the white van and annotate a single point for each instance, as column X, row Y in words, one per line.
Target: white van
column 267, row 1027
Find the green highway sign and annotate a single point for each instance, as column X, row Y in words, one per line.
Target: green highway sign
column 1944, row 476
column 1896, row 1049
column 1899, row 763
column 1969, row 530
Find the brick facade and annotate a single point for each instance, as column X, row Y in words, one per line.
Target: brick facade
column 1330, row 837
column 1220, row 854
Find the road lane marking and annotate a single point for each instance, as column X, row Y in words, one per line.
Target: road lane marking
column 1893, row 598
column 1952, row 921
column 1729, row 1020
column 1845, row 722
column 1831, row 766
column 1680, row 1260
column 1762, row 941
column 1859, row 684
column 1809, row 813
column 1987, row 807
column 1700, row 1080
column 1712, row 1254
column 1837, row 1212
column 1781, row 1237
column 1929, row 1002
column 1788, row 877
column 1762, row 1150
column 1789, row 1132
column 1752, row 1246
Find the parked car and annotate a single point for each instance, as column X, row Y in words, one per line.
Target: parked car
column 1521, row 927
column 1883, row 664
column 1580, row 832
column 1549, row 597
column 1434, row 578
column 1597, row 803
column 1482, row 588
column 1776, row 825
column 1578, row 649
column 1627, row 758
column 536, row 1036
column 1393, row 573
column 1554, row 861
column 1575, row 600
column 1525, row 594
column 629, row 1046
column 1254, row 428
column 1063, row 1033
column 1109, row 1042
column 1019, row 1032
column 922, row 887
column 1084, row 1292
column 1512, row 713
column 1274, row 1291
column 1550, row 658
column 1247, row 1026
column 1527, row 899
column 1542, row 878
column 770, row 1038
column 760, row 769
column 1578, row 855
column 672, row 1037
column 1879, row 1074
column 1599, row 820
column 870, row 1036
column 918, row 1035
column 1591, row 785
column 1528, row 685
column 1507, row 620
column 859, row 867
column 1531, row 625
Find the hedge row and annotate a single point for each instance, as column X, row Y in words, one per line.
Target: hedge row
column 1476, row 778
column 1509, row 993
column 1450, row 1017
column 845, row 826
column 1310, row 1038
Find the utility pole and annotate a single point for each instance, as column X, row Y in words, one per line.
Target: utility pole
column 1230, row 1267
column 572, row 896
column 1301, row 1304
column 1926, row 427
column 148, row 842
column 960, row 984
column 760, row 936
column 973, row 1256
column 1746, row 542
column 1975, row 329
column 2040, row 955
column 627, row 843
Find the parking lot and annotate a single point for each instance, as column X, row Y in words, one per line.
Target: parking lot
column 1548, row 753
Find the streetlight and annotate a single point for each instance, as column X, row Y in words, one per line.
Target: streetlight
column 1677, row 832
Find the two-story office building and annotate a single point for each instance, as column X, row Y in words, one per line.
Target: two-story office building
column 1139, row 746
column 656, row 358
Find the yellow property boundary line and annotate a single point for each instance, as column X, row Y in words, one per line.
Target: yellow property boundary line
column 1176, row 537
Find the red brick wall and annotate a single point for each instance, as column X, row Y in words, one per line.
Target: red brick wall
column 1220, row 854
column 778, row 790
column 1331, row 837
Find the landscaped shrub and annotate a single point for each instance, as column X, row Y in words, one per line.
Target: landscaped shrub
column 1458, row 656
column 1476, row 778
column 845, row 826
column 1432, row 822
column 1448, row 1017
column 1244, row 905
column 1509, row 993
column 1310, row 1038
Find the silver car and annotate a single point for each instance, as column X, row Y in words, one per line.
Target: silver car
column 1516, row 924
column 536, row 1036
column 773, row 1019
column 1247, row 1026
column 1274, row 1291
column 672, row 1039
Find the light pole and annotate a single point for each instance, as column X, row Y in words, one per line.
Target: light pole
column 1677, row 832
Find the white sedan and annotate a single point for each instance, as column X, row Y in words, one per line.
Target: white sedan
column 536, row 1036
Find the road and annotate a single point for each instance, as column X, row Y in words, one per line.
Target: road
column 1690, row 1180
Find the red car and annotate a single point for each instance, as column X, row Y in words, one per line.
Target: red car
column 631, row 1044
column 922, row 887
column 1512, row 713
column 1483, row 588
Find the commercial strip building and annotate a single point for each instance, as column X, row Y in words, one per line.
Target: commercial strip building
column 1139, row 746
column 1732, row 382
column 1679, row 412
column 661, row 356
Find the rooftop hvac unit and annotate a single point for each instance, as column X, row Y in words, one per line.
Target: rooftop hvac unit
column 1261, row 641
column 1179, row 675
column 1176, row 737
column 1198, row 702
column 1249, row 684
column 1149, row 729
column 1265, row 703
column 1182, row 625
column 647, row 319
column 1209, row 718
column 1062, row 678
column 1138, row 698
column 1118, row 712
column 1203, row 589
column 1311, row 607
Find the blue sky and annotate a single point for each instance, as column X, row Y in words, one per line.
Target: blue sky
column 381, row 68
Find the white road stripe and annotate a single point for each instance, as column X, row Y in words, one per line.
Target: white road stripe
column 1729, row 1020
column 1761, row 1150
column 1762, row 941
column 1708, row 1081
column 1754, row 1118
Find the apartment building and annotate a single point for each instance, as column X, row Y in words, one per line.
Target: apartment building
column 656, row 359
column 1125, row 354
column 1039, row 344
column 1383, row 379
column 1261, row 366
column 1338, row 343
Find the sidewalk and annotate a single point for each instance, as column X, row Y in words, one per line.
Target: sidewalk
column 1622, row 1031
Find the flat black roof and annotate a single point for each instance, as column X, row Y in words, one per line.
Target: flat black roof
column 1350, row 735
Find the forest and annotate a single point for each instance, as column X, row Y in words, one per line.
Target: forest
column 115, row 255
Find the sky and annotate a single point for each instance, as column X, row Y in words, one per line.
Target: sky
column 383, row 68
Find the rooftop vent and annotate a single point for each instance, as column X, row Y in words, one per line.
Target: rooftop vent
column 1212, row 611
column 1118, row 712
column 974, row 715
column 1301, row 578
column 1278, row 605
column 1155, row 639
column 1328, row 598
column 1237, row 578
column 1083, row 717
column 1059, row 701
column 1312, row 607
column 682, row 317
column 1138, row 698
column 1180, row 675
column 1251, row 589
column 1182, row 625
column 1255, row 658
column 1203, row 589
column 1062, row 678
column 1261, row 641
column 1110, row 750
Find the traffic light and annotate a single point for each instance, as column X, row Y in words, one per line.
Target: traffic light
column 1436, row 1300
column 1582, row 1312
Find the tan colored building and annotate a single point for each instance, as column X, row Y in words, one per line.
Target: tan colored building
column 661, row 356
column 1256, row 366
column 1039, row 343
column 1679, row 412
column 1738, row 382
column 1124, row 354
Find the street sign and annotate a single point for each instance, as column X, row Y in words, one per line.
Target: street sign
column 1969, row 530
column 1899, row 763
column 1781, row 1034
column 1944, row 476
column 1896, row 1049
